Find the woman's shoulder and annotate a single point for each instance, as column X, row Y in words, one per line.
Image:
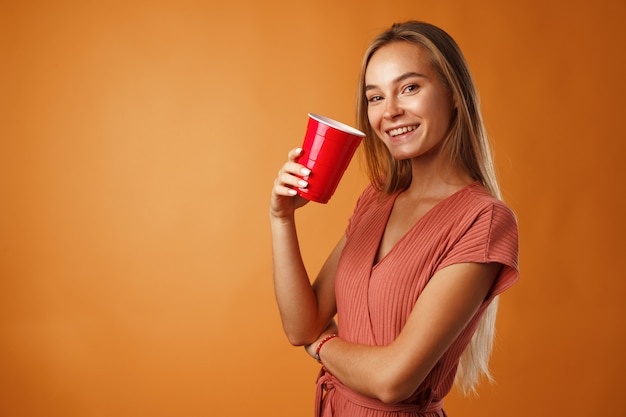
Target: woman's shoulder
column 482, row 208
column 478, row 196
column 370, row 202
column 369, row 196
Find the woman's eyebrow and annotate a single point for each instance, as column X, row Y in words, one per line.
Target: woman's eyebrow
column 398, row 79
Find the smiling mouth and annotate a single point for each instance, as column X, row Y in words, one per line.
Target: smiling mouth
column 401, row 130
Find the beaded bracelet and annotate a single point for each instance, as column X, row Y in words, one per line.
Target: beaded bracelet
column 324, row 340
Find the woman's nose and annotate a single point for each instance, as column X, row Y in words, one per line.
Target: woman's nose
column 392, row 108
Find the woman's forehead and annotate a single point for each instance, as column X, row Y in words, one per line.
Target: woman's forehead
column 397, row 58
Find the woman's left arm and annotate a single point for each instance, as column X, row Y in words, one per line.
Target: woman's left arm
column 392, row 373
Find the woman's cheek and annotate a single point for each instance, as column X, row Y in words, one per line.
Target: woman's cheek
column 374, row 120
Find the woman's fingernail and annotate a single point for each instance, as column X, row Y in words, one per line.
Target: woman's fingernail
column 298, row 150
column 303, row 183
column 305, row 171
column 292, row 192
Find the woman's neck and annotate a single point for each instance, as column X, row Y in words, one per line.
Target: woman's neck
column 435, row 179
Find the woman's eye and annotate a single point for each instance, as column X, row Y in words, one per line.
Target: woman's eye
column 411, row 88
column 374, row 99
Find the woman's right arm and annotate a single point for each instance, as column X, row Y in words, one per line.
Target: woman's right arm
column 305, row 309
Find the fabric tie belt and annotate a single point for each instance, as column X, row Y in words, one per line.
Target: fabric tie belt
column 328, row 383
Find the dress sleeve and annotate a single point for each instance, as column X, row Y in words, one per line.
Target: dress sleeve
column 491, row 237
column 366, row 198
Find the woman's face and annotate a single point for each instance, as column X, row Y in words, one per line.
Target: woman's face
column 409, row 107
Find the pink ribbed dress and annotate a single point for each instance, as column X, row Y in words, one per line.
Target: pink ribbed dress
column 374, row 301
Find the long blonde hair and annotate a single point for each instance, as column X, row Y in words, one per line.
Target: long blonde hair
column 466, row 146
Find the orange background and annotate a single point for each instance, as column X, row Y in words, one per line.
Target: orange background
column 138, row 144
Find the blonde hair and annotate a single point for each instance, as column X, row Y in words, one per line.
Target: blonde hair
column 466, row 146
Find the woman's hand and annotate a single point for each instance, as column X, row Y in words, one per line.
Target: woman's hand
column 285, row 199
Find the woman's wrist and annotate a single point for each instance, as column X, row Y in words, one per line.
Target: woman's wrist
column 281, row 218
column 321, row 344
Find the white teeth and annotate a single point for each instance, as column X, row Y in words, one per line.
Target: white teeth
column 401, row 130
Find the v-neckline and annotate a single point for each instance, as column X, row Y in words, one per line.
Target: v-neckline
column 387, row 216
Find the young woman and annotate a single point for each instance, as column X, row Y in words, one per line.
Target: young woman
column 414, row 280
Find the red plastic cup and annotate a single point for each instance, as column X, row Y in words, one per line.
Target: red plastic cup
column 327, row 151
